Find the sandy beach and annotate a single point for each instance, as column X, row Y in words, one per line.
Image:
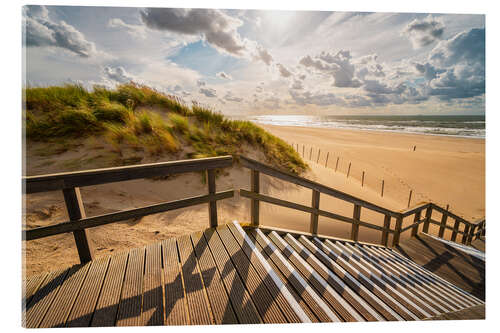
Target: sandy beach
column 446, row 170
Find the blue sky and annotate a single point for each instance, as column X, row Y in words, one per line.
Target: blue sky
column 267, row 62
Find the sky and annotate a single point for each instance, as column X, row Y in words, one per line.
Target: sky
column 249, row 62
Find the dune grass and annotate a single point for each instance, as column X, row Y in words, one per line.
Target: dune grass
column 141, row 117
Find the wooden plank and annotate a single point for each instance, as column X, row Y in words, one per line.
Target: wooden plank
column 397, row 231
column 385, row 233
column 442, row 225
column 290, row 307
column 356, row 215
column 63, row 302
column 129, row 309
column 255, row 187
column 254, row 165
column 83, row 309
column 76, row 211
column 199, row 313
column 293, row 205
column 222, row 309
column 415, row 209
column 450, row 214
column 64, row 180
column 314, row 301
column 264, row 302
column 95, row 221
column 344, row 290
column 30, row 286
column 321, row 252
column 428, row 214
column 337, row 303
column 412, row 226
column 212, row 205
column 416, row 222
column 109, row 298
column 42, row 299
column 240, row 299
column 465, row 234
column 152, row 299
column 175, row 311
column 411, row 310
column 313, row 227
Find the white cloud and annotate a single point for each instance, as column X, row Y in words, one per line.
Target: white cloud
column 231, row 98
column 224, row 75
column 117, row 74
column 209, row 92
column 424, row 32
column 136, row 31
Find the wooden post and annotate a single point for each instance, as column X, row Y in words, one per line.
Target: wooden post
column 310, row 153
column 303, row 149
column 409, row 198
column 363, row 179
column 385, row 234
column 255, row 187
column 382, row 192
column 455, row 228
column 428, row 215
column 337, row 165
column 313, row 229
column 465, row 234
column 414, row 230
column 471, row 233
column 349, row 170
column 212, row 205
column 355, row 226
column 443, row 225
column 319, row 153
column 326, row 163
column 76, row 211
column 397, row 231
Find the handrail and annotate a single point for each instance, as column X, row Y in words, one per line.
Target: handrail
column 258, row 167
column 70, row 183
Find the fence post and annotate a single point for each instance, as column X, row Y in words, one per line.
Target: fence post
column 310, row 153
column 303, row 149
column 397, row 231
column 428, row 215
column 414, row 230
column 76, row 211
column 465, row 235
column 443, row 224
column 348, row 170
column 363, row 179
column 382, row 193
column 255, row 187
column 326, row 163
column 471, row 233
column 313, row 229
column 409, row 198
column 455, row 229
column 385, row 233
column 212, row 205
column 319, row 153
column 355, row 226
column 337, row 165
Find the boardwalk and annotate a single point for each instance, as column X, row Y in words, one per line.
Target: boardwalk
column 229, row 275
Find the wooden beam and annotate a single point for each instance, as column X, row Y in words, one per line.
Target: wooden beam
column 313, row 228
column 385, row 234
column 397, row 231
column 255, row 187
column 428, row 214
column 465, row 235
column 414, row 230
column 443, row 225
column 455, row 229
column 76, row 211
column 355, row 226
column 212, row 205
column 64, row 180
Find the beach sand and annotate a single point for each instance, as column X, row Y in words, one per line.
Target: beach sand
column 446, row 170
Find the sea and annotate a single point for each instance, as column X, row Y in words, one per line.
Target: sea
column 451, row 125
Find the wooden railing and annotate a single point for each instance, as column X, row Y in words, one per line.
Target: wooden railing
column 419, row 217
column 71, row 182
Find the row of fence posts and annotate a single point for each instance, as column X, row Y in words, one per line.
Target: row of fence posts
column 296, row 148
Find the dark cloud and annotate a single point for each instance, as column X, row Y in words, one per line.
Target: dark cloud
column 41, row 31
column 424, row 32
column 224, row 75
column 283, row 70
column 209, row 92
column 117, row 74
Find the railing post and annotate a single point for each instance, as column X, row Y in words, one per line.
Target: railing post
column 465, row 235
column 428, row 214
column 76, row 211
column 355, row 226
column 385, row 233
column 455, row 229
column 471, row 234
column 313, row 229
column 443, row 224
column 417, row 218
column 255, row 187
column 397, row 231
column 212, row 205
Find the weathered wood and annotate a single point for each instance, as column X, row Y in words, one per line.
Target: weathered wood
column 76, row 211
column 413, row 225
column 415, row 209
column 326, row 162
column 348, row 170
column 265, row 169
column 363, row 179
column 432, row 221
column 409, row 198
column 120, row 216
column 385, row 233
column 152, row 299
column 310, row 153
column 428, row 214
column 337, row 164
column 129, row 309
column 64, row 180
column 313, row 228
column 355, row 226
column 471, row 234
column 255, row 206
column 175, row 310
column 319, row 154
column 382, row 190
column 414, row 230
column 442, row 225
column 397, row 231
column 307, row 209
column 450, row 214
column 212, row 205
column 455, row 229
